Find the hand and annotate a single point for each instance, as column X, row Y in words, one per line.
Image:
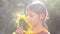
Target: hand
column 19, row 30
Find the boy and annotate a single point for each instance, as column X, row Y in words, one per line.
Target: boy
column 36, row 14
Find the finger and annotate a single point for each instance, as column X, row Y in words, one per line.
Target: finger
column 18, row 31
column 20, row 28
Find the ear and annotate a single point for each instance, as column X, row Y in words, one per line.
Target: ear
column 42, row 16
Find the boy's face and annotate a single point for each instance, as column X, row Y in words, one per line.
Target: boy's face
column 33, row 17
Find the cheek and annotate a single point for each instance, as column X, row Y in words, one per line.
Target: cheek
column 34, row 20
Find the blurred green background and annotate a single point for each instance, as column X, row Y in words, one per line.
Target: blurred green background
column 9, row 9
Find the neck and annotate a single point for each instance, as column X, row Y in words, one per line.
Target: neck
column 38, row 27
column 40, row 24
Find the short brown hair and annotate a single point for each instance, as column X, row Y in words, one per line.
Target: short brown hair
column 37, row 8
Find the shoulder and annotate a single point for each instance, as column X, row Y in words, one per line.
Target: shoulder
column 43, row 32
